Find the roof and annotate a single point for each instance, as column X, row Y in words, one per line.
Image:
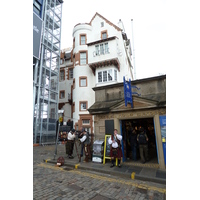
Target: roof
column 97, row 14
column 103, row 107
column 119, row 105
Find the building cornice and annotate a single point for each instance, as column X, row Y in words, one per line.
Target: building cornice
column 100, row 41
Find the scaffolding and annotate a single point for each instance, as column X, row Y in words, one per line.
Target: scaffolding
column 46, row 75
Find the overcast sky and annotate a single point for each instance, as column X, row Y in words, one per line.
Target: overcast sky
column 149, row 28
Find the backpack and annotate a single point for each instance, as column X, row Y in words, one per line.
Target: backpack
column 142, row 139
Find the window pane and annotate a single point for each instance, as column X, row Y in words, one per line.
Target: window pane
column 83, row 106
column 104, row 76
column 106, row 48
column 86, row 121
column 62, row 95
column 101, row 49
column 115, row 74
column 70, row 73
column 82, row 58
column 62, row 75
column 83, row 82
column 82, row 39
column 97, row 49
column 99, row 77
column 104, row 35
column 110, row 75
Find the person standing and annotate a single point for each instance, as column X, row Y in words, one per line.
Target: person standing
column 133, row 143
column 85, row 141
column 143, row 145
column 70, row 143
column 115, row 150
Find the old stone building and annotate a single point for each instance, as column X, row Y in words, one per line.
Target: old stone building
column 149, row 107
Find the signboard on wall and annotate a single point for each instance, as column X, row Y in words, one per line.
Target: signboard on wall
column 37, row 33
column 128, row 93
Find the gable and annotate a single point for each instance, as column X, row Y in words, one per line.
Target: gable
column 105, row 20
column 138, row 103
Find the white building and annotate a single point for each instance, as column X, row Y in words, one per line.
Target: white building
column 101, row 55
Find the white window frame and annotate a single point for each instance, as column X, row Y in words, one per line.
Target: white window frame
column 86, row 122
column 83, row 59
column 101, row 49
column 71, row 73
column 83, row 80
column 82, row 106
column 108, row 75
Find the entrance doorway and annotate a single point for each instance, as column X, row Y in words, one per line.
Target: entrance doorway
column 127, row 127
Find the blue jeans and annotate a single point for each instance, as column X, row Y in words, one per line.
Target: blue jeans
column 134, row 151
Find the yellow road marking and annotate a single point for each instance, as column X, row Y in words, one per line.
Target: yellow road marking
column 76, row 166
column 49, row 166
column 104, row 178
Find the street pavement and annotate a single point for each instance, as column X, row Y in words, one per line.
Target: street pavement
column 66, row 182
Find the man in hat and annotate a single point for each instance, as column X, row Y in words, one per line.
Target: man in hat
column 143, row 145
column 86, row 145
column 70, row 143
column 115, row 150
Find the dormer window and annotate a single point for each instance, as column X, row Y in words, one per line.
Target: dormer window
column 104, row 35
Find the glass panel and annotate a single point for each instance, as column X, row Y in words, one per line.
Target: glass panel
column 101, row 49
column 99, row 77
column 83, row 39
column 110, row 75
column 82, row 58
column 104, row 76
column 83, row 82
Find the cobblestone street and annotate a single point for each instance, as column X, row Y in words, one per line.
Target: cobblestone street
column 51, row 182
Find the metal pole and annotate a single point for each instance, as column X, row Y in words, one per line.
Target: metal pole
column 133, row 51
column 57, row 141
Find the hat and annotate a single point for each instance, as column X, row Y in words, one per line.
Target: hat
column 73, row 130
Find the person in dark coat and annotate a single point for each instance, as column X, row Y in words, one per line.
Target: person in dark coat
column 133, row 143
column 143, row 145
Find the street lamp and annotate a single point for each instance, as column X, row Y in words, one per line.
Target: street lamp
column 60, row 114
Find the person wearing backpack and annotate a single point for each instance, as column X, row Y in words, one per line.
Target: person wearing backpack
column 143, row 145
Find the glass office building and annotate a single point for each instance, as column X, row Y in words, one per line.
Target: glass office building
column 47, row 18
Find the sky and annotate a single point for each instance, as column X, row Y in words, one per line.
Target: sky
column 149, row 28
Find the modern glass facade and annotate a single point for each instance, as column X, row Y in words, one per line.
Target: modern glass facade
column 46, row 72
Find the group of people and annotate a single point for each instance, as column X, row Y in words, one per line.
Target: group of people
column 83, row 138
column 114, row 142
